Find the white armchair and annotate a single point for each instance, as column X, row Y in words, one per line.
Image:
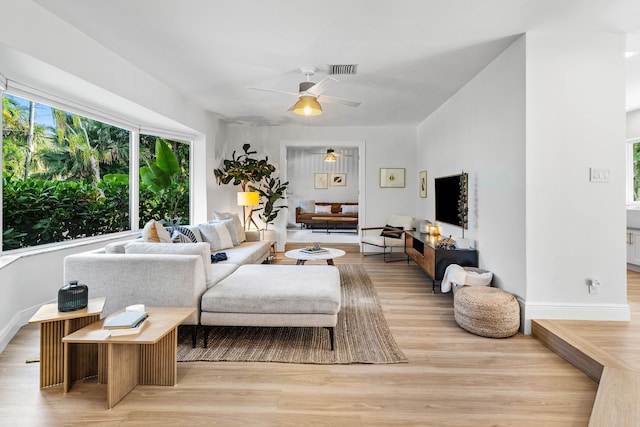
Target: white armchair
column 389, row 236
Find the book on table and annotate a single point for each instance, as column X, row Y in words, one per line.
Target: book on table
column 126, row 320
column 313, row 251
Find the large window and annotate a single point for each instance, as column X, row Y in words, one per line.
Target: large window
column 67, row 176
column 164, row 180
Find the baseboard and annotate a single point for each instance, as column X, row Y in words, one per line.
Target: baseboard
column 20, row 319
column 616, row 312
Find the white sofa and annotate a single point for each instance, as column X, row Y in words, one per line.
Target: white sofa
column 182, row 275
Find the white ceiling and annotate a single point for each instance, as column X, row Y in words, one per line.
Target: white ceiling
column 412, row 55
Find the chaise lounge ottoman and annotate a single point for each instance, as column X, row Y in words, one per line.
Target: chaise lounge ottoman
column 274, row 296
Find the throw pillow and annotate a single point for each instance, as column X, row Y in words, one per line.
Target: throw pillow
column 219, row 216
column 392, row 232
column 307, row 205
column 217, row 235
column 349, row 209
column 178, row 237
column 185, row 231
column 153, row 231
column 231, row 226
column 323, row 209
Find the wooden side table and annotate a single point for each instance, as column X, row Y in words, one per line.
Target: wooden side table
column 147, row 358
column 54, row 325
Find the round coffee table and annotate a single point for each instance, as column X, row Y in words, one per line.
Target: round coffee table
column 302, row 257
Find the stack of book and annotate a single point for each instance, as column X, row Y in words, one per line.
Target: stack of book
column 313, row 251
column 127, row 323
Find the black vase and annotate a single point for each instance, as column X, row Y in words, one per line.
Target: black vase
column 73, row 296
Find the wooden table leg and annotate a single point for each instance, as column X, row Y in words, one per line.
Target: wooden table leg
column 330, row 261
column 159, row 361
column 123, row 371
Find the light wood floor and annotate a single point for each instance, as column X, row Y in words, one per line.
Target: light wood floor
column 453, row 379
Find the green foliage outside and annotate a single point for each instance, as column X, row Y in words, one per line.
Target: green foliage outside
column 68, row 178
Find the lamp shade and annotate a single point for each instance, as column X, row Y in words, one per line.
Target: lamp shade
column 248, row 198
column 307, row 106
column 330, row 157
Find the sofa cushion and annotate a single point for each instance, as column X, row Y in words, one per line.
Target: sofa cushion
column 240, row 236
column 203, row 249
column 217, row 234
column 153, row 231
column 294, row 289
column 219, row 271
column 349, row 209
column 323, row 209
column 115, row 247
column 248, row 253
column 307, row 205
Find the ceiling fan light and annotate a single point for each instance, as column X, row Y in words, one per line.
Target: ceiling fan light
column 330, row 157
column 307, row 106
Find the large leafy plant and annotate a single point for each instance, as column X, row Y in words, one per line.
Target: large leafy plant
column 254, row 174
column 271, row 192
column 244, row 169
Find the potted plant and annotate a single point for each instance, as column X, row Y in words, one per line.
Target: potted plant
column 254, row 174
column 271, row 192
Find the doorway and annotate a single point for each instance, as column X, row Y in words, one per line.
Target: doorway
column 312, row 179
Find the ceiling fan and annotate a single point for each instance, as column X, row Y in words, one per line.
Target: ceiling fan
column 310, row 95
column 331, row 155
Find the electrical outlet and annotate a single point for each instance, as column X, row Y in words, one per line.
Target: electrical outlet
column 594, row 286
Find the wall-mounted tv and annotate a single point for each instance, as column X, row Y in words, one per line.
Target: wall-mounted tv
column 448, row 199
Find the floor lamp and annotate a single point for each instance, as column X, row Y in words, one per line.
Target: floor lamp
column 248, row 199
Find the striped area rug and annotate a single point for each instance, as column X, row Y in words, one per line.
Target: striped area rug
column 362, row 334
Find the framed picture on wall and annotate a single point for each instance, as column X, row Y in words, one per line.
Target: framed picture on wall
column 423, row 184
column 392, row 177
column 338, row 179
column 320, row 181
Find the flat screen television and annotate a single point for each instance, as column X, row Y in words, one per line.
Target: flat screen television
column 448, row 199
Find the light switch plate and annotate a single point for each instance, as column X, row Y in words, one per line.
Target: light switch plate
column 599, row 174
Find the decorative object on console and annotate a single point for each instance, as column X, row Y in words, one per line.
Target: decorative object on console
column 446, row 243
column 433, row 230
column 423, row 184
column 320, row 181
column 338, row 179
column 73, row 296
column 392, row 177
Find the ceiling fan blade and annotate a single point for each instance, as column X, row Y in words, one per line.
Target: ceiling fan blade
column 292, row 106
column 321, row 86
column 275, row 91
column 341, row 101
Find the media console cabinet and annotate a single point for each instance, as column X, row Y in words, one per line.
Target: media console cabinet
column 421, row 248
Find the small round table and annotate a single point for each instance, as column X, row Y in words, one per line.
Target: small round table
column 302, row 257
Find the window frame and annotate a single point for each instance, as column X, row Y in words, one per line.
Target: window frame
column 32, row 94
column 629, row 174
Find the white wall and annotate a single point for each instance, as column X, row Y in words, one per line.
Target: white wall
column 633, row 124
column 527, row 129
column 31, row 58
column 481, row 130
column 386, row 147
column 575, row 121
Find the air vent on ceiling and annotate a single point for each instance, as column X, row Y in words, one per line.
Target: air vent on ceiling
column 343, row 69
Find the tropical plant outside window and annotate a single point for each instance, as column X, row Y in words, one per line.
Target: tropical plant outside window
column 66, row 176
column 164, row 180
column 634, row 179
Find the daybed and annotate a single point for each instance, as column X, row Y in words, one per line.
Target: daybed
column 180, row 274
column 314, row 214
